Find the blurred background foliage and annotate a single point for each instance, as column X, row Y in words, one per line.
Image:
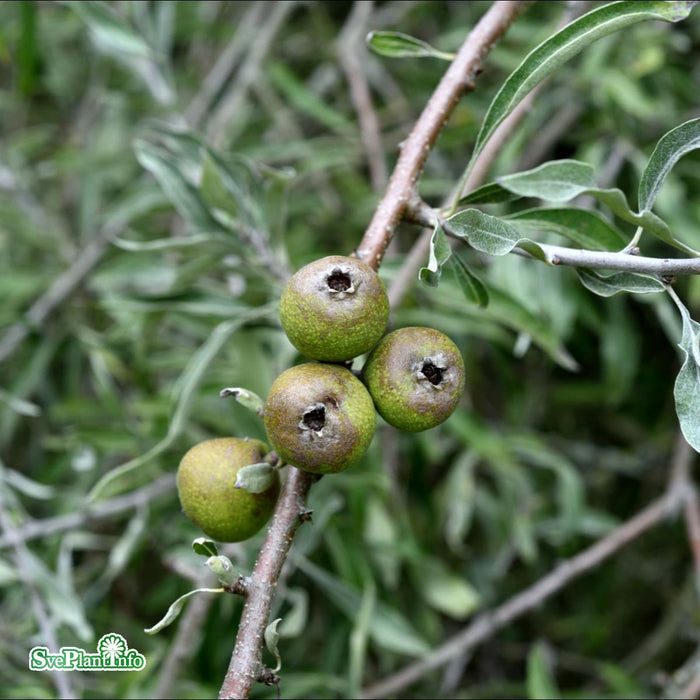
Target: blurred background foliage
column 179, row 160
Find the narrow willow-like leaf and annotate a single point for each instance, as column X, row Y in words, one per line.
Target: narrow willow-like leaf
column 540, row 684
column 446, row 591
column 440, row 252
column 563, row 180
column 558, row 49
column 398, row 45
column 490, row 234
column 216, row 187
column 160, row 244
column 584, row 227
column 205, row 547
column 272, row 639
column 19, row 405
column 670, row 148
column 491, row 193
column 686, row 390
column 110, row 30
column 607, row 286
column 179, row 191
column 472, row 287
column 255, row 478
column 176, row 607
column 245, row 397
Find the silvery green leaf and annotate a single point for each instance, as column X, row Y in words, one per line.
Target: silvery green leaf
column 255, row 478
column 205, row 547
column 563, row 180
column 540, row 683
column 472, row 287
column 19, row 405
column 606, row 286
column 440, row 252
column 687, row 387
column 221, row 565
column 398, row 45
column 169, row 172
column 446, row 591
column 491, row 234
column 176, row 607
column 491, row 193
column 670, row 148
column 583, row 227
column 272, row 638
column 245, row 397
column 564, row 45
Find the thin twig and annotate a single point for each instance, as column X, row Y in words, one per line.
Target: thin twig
column 349, row 48
column 246, row 661
column 227, row 109
column 414, row 151
column 93, row 513
column 214, row 82
column 488, row 623
column 422, row 214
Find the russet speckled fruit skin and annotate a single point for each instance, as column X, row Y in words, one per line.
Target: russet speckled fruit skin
column 334, row 309
column 319, row 418
column 206, row 481
column 415, row 376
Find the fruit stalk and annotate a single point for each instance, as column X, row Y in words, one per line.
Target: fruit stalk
column 246, row 665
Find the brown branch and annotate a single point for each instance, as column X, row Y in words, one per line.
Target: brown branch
column 419, row 251
column 487, row 624
column 246, row 661
column 246, row 665
column 414, row 151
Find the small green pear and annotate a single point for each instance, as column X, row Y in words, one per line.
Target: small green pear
column 319, row 417
column 415, row 376
column 206, row 485
column 334, row 309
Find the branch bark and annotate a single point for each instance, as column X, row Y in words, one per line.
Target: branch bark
column 415, row 149
column 246, row 665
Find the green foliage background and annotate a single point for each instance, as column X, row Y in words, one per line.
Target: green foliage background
column 539, row 461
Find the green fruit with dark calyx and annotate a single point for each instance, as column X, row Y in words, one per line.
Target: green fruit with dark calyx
column 206, row 484
column 334, row 309
column 415, row 376
column 319, row 417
